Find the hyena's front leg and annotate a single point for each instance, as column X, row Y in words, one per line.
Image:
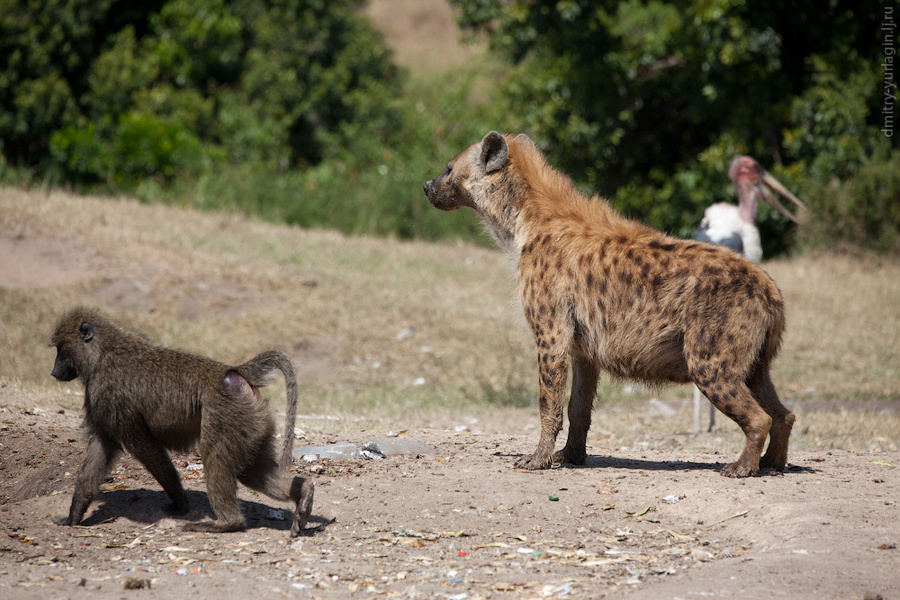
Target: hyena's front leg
column 584, row 387
column 553, row 370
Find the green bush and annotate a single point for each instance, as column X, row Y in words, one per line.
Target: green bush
column 646, row 102
column 160, row 89
column 864, row 211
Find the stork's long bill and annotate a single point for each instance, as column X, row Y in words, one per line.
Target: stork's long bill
column 773, row 184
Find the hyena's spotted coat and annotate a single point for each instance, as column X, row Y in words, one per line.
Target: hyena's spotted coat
column 602, row 292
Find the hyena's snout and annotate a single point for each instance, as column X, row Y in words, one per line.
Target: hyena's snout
column 431, row 189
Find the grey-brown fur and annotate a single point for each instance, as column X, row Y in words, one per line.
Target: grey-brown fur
column 605, row 293
column 147, row 399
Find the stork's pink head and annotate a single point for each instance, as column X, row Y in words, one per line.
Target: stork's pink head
column 744, row 168
column 752, row 181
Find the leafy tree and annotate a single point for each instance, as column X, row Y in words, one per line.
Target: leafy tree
column 647, row 101
column 116, row 91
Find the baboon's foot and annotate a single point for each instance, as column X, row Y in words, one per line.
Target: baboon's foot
column 569, row 456
column 533, row 462
column 218, row 526
column 739, row 469
column 65, row 521
column 304, row 507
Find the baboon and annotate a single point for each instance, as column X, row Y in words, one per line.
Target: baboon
column 147, row 399
column 603, row 292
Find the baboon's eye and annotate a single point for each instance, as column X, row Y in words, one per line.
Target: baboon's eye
column 449, row 169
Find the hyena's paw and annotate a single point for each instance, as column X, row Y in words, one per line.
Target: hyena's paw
column 777, row 463
column 534, row 462
column 570, row 457
column 738, row 469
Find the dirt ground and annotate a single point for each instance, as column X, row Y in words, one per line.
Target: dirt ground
column 458, row 523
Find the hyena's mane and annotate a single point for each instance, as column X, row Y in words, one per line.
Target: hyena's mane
column 552, row 195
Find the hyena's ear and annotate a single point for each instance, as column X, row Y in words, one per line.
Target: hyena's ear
column 494, row 152
column 524, row 138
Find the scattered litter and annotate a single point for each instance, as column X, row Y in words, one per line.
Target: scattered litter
column 525, row 550
column 700, row 555
column 406, row 332
column 639, row 513
column 673, row 498
column 396, row 447
column 373, row 449
column 194, row 467
column 136, row 584
column 338, row 451
column 418, row 381
column 561, row 590
column 553, row 498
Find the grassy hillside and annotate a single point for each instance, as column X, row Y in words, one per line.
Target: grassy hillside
column 390, row 334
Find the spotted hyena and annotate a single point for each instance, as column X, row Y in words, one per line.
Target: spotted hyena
column 605, row 293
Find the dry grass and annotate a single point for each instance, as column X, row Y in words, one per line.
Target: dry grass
column 228, row 286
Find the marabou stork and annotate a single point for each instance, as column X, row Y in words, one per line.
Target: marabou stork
column 733, row 226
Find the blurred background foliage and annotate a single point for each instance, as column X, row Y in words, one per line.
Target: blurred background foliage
column 295, row 110
column 647, row 102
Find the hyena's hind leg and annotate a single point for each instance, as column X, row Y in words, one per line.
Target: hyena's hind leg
column 763, row 391
column 737, row 402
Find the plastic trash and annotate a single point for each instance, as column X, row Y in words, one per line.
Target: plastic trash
column 338, row 451
column 373, row 449
column 397, row 446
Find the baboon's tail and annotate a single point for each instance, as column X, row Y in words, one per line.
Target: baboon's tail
column 255, row 372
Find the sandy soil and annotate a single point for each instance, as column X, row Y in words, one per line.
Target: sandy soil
column 458, row 523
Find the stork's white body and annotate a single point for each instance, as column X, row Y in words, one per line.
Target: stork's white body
column 722, row 221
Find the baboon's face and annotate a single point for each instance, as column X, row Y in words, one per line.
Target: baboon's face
column 63, row 370
column 75, row 347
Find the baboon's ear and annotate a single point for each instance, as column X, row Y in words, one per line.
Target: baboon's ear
column 494, row 152
column 87, row 331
